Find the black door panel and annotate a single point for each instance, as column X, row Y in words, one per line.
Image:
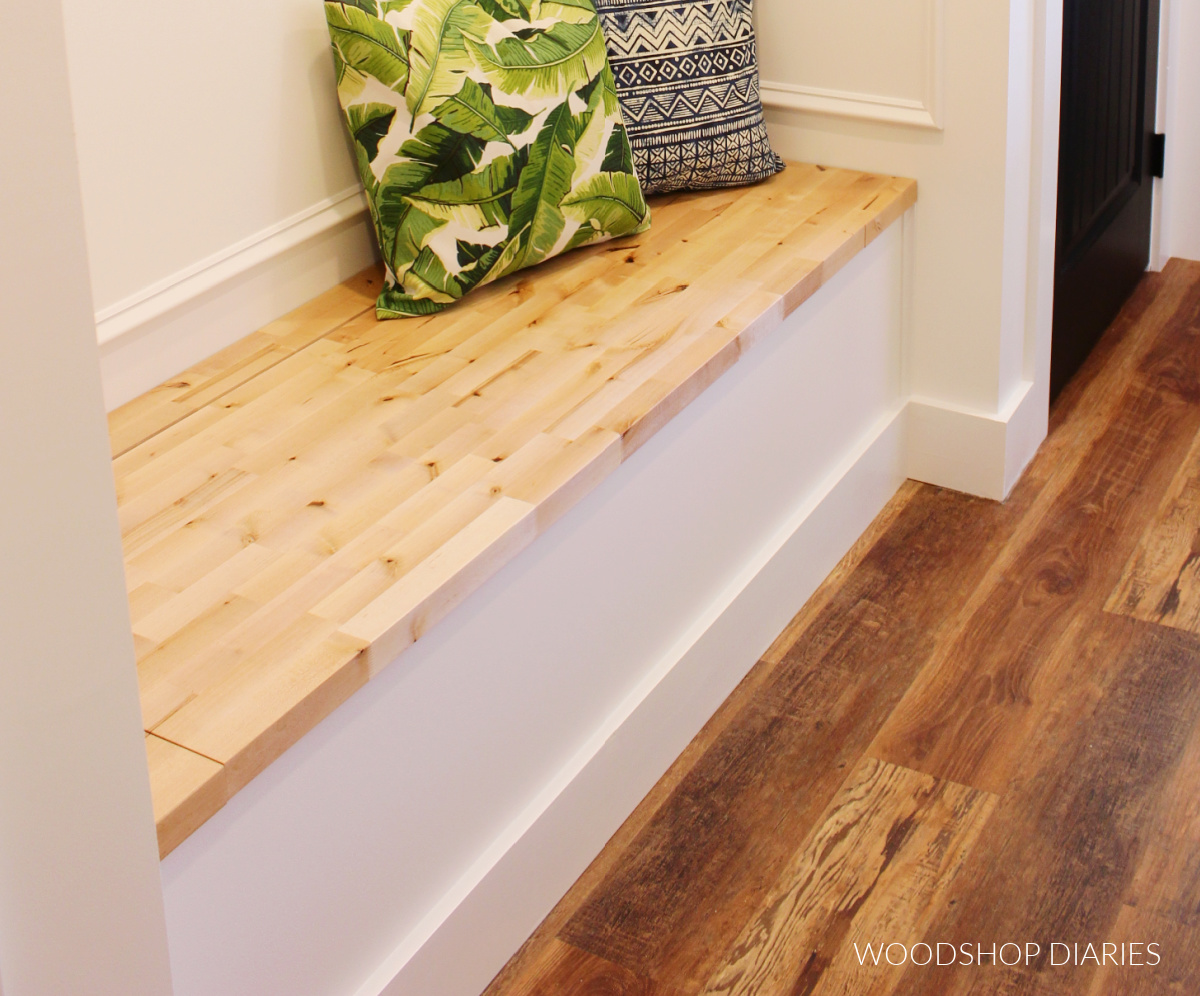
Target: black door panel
column 1105, row 188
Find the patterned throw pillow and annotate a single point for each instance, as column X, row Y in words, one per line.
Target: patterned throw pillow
column 687, row 78
column 488, row 136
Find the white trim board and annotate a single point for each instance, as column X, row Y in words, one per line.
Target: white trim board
column 923, row 113
column 179, row 288
column 975, row 452
column 841, row 103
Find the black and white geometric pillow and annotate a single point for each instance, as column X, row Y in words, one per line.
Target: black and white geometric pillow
column 687, row 81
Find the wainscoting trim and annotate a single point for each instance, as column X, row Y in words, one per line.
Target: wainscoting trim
column 893, row 110
column 924, row 113
column 128, row 315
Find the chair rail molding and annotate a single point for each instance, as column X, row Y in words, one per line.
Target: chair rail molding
column 126, row 316
column 922, row 112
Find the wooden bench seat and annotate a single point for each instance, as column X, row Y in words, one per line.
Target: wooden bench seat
column 304, row 505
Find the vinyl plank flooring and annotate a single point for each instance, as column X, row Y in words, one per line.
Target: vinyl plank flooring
column 1004, row 981
column 1161, row 582
column 564, row 970
column 1176, row 972
column 1062, row 848
column 973, row 734
column 890, row 842
column 1168, row 878
column 699, row 869
column 967, row 723
column 830, row 587
column 1157, row 301
column 1167, row 881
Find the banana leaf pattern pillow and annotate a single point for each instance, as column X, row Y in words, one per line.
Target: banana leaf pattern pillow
column 488, row 137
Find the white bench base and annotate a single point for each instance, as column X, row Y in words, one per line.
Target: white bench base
column 413, row 840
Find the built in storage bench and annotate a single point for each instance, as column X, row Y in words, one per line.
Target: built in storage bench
column 424, row 607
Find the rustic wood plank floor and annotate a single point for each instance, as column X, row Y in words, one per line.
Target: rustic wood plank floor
column 984, row 728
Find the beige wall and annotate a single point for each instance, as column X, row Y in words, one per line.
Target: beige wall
column 218, row 189
column 80, row 898
column 198, row 125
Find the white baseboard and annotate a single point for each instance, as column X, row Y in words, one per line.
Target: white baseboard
column 502, row 898
column 975, row 452
column 166, row 328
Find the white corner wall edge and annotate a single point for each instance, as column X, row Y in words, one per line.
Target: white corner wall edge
column 1160, row 235
column 975, row 452
column 511, row 888
column 167, row 327
column 1177, row 221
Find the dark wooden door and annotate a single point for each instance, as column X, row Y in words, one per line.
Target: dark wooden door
column 1105, row 166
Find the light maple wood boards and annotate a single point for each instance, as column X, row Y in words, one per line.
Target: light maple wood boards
column 168, row 403
column 301, row 507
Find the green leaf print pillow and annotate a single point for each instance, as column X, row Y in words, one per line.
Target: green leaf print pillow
column 488, row 138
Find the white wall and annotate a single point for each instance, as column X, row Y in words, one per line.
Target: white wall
column 1178, row 228
column 210, row 149
column 81, row 909
column 198, row 125
column 942, row 91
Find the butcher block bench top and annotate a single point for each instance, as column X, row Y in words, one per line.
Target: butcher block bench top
column 304, row 505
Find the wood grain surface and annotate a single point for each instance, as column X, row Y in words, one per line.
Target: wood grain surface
column 301, row 507
column 1161, row 583
column 982, row 729
column 707, row 858
column 890, row 842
